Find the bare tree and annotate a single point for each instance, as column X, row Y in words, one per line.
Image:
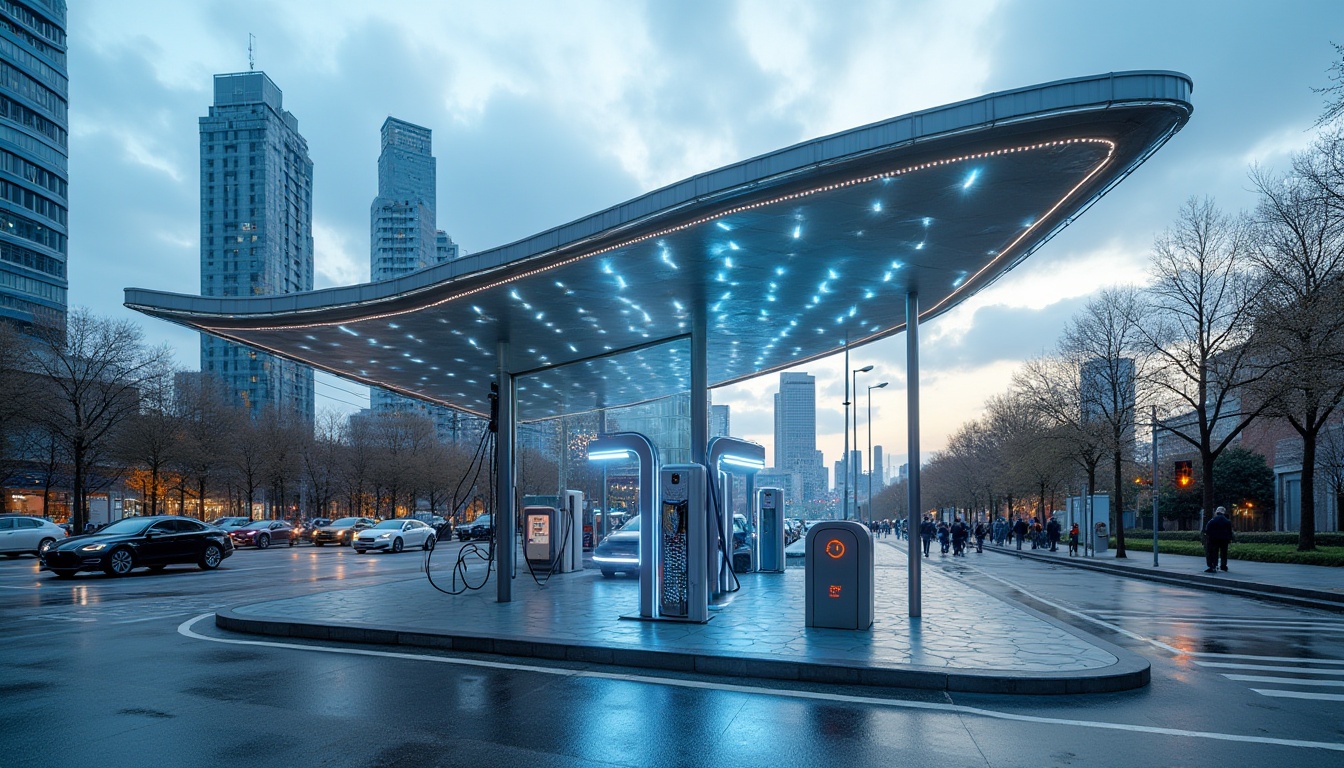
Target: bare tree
column 97, row 367
column 1104, row 339
column 1299, row 246
column 149, row 441
column 321, row 456
column 1196, row 320
column 1053, row 387
column 207, row 422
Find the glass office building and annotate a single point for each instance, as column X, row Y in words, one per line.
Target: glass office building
column 256, row 231
column 34, row 132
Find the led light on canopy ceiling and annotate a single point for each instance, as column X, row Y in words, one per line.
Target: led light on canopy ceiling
column 742, row 461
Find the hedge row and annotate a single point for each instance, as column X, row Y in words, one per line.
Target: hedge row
column 1264, row 553
column 1322, row 539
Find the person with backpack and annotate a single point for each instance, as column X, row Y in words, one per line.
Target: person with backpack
column 1073, row 540
column 959, row 535
column 980, row 532
column 944, row 537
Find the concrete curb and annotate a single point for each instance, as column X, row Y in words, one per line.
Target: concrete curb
column 1303, row 598
column 1131, row 671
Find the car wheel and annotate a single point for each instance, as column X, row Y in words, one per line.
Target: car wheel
column 119, row 562
column 608, row 573
column 64, row 573
column 319, row 543
column 742, row 563
column 396, row 545
column 360, row 551
column 211, row 557
column 291, row 541
column 263, row 541
column 429, row 543
column 43, row 546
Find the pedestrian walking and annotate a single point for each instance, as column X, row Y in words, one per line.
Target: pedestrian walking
column 959, row 535
column 980, row 530
column 1052, row 530
column 1217, row 535
column 1073, row 540
column 1020, row 529
column 927, row 531
column 944, row 537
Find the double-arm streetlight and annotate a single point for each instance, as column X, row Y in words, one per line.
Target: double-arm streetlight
column 849, row 461
column 870, row 448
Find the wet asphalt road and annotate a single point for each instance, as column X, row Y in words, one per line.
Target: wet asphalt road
column 113, row 672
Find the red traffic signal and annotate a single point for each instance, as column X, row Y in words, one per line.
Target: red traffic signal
column 1184, row 474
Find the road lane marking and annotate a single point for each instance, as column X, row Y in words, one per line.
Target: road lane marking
column 1287, row 681
column 185, row 629
column 1300, row 695
column 1268, row 667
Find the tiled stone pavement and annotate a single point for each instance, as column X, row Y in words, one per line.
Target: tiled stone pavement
column 962, row 627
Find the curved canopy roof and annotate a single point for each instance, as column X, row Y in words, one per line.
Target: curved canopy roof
column 789, row 255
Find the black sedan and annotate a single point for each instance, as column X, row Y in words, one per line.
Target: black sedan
column 482, row 527
column 341, row 531
column 134, row 542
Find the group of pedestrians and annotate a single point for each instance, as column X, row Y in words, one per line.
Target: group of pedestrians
column 883, row 528
column 954, row 537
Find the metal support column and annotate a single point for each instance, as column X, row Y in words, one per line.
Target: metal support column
column 912, row 419
column 699, row 388
column 505, row 541
column 844, row 493
column 1152, row 487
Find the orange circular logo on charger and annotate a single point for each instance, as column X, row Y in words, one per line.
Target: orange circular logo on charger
column 835, row 548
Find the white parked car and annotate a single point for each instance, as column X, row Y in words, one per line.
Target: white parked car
column 394, row 536
column 32, row 535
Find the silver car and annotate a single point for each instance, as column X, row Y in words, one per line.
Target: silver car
column 28, row 535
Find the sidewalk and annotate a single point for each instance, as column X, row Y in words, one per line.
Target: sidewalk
column 1311, row 586
column 986, row 644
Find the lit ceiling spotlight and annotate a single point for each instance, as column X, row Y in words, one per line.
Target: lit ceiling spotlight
column 513, row 293
column 831, row 274
column 877, row 207
column 961, row 278
column 606, row 268
column 393, row 325
column 722, row 225
column 970, row 178
column 779, row 270
column 346, row 330
column 733, row 246
column 797, row 232
column 728, row 262
column 886, row 278
column 919, row 246
column 621, row 282
column 667, row 259
column 927, row 221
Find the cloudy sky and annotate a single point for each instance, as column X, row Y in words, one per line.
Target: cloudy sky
column 544, row 112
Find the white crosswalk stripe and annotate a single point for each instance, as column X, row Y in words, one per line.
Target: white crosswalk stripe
column 1300, row 695
column 1287, row 680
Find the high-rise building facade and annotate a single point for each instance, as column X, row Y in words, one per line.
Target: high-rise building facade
column 256, row 231
column 796, row 432
column 34, row 124
column 720, row 421
column 403, row 237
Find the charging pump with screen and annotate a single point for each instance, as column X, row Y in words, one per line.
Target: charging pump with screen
column 681, row 591
column 770, row 532
column 552, row 538
column 839, row 577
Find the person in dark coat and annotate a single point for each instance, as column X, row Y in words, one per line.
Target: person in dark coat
column 1020, row 529
column 927, row 531
column 959, row 535
column 944, row 537
column 1052, row 531
column 1217, row 535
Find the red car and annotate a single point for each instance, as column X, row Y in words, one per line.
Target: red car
column 262, row 534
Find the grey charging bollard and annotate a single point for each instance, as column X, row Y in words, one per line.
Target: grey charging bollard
column 839, row 576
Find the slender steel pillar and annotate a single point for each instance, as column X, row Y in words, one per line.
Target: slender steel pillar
column 1153, row 487
column 844, row 498
column 699, row 388
column 912, row 418
column 505, row 541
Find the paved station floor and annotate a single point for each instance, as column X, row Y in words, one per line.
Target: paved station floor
column 966, row 639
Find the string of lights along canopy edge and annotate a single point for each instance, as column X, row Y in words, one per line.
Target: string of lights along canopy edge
column 788, row 256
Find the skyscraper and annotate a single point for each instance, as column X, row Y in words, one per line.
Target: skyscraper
column 256, row 230
column 719, row 420
column 33, row 162
column 403, row 237
column 796, row 432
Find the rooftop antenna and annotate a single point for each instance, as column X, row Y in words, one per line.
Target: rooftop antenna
column 251, row 55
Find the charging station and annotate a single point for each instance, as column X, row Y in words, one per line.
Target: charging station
column 840, row 572
column 770, row 531
column 679, row 534
column 552, row 537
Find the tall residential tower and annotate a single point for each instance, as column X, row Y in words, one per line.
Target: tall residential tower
column 256, row 231
column 34, row 125
column 796, row 433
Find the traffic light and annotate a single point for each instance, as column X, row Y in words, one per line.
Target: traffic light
column 1185, row 474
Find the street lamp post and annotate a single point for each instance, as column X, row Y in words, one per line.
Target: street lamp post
column 850, row 469
column 870, row 447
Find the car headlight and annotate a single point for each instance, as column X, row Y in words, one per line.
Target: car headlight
column 385, row 536
column 92, row 547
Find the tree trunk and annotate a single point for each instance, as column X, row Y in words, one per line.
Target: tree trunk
column 78, row 516
column 1306, row 534
column 1206, row 472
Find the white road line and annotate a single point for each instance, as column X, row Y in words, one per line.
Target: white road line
column 1287, row 681
column 185, row 630
column 1327, row 626
column 1268, row 668
column 1299, row 695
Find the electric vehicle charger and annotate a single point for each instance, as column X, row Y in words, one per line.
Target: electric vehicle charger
column 472, row 551
column 723, row 547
